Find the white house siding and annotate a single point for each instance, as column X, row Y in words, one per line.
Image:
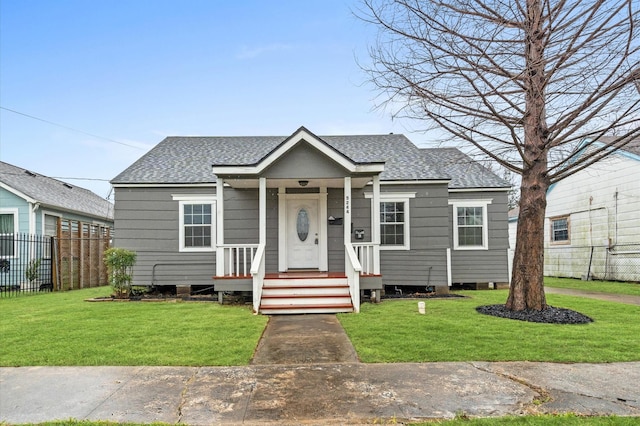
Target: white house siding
column 603, row 206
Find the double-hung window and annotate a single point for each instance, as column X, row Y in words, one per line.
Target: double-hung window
column 197, row 222
column 470, row 224
column 560, row 230
column 8, row 227
column 394, row 219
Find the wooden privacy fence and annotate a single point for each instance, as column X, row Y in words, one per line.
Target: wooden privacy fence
column 79, row 255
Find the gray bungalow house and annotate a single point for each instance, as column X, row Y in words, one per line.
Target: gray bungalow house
column 308, row 223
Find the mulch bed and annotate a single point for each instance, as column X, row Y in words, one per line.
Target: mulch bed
column 550, row 315
column 420, row 296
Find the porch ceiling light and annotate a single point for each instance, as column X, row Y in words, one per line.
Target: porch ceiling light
column 303, row 182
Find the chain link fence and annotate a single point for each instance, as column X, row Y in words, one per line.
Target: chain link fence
column 618, row 263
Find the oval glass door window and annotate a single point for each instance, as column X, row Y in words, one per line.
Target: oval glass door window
column 302, row 224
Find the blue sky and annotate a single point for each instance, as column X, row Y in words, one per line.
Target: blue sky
column 136, row 71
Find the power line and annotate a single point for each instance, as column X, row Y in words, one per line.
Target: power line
column 70, row 128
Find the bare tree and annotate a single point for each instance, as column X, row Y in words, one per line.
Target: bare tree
column 532, row 84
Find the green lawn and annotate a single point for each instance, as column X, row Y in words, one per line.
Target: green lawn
column 451, row 330
column 62, row 329
column 597, row 286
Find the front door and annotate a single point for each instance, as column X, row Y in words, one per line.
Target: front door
column 303, row 233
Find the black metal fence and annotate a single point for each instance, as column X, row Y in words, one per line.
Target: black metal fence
column 26, row 263
column 618, row 263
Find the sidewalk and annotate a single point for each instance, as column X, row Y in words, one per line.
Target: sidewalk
column 322, row 383
column 609, row 297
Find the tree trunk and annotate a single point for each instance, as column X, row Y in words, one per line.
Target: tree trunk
column 527, row 279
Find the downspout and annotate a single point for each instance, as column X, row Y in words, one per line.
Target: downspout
column 33, row 208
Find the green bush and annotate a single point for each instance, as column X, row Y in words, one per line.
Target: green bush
column 120, row 264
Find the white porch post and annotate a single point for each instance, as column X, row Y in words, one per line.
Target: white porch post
column 352, row 275
column 263, row 210
column 375, row 230
column 262, row 224
column 220, row 261
column 347, row 209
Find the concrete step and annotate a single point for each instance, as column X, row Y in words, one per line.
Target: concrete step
column 306, row 309
column 305, row 300
column 305, row 290
column 304, row 282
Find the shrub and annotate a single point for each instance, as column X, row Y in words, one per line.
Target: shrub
column 120, row 264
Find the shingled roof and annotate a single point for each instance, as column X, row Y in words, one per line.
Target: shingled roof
column 184, row 160
column 53, row 193
column 464, row 171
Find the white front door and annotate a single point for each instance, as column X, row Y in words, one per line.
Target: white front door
column 303, row 234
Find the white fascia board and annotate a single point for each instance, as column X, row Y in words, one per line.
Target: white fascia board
column 64, row 210
column 413, row 182
column 163, row 185
column 486, row 189
column 18, row 193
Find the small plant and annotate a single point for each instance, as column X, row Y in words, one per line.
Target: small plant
column 120, row 264
column 32, row 273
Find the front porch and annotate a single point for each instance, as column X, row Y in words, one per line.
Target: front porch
column 300, row 177
column 298, row 291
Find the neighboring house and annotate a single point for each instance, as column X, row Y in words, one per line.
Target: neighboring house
column 34, row 205
column 308, row 223
column 592, row 226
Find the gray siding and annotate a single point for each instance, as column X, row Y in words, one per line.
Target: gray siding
column 480, row 266
column 304, row 162
column 426, row 262
column 147, row 222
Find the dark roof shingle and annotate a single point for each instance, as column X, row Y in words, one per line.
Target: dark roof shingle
column 184, row 160
column 54, row 193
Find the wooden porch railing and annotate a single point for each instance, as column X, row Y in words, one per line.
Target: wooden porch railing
column 257, row 272
column 369, row 256
column 352, row 269
column 238, row 259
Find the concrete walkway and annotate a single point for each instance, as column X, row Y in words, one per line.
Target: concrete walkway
column 609, row 297
column 322, row 383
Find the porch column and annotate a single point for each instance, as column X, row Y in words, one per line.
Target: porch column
column 347, row 209
column 375, row 230
column 220, row 227
column 262, row 223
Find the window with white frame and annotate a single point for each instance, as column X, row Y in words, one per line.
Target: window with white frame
column 470, row 224
column 197, row 222
column 394, row 219
column 8, row 227
column 560, row 230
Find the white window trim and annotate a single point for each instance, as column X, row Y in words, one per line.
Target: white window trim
column 195, row 199
column 485, row 222
column 395, row 197
column 553, row 241
column 16, row 229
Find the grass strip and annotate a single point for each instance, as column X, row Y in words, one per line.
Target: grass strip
column 61, row 329
column 452, row 330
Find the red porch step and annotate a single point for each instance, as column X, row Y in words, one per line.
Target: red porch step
column 305, row 294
